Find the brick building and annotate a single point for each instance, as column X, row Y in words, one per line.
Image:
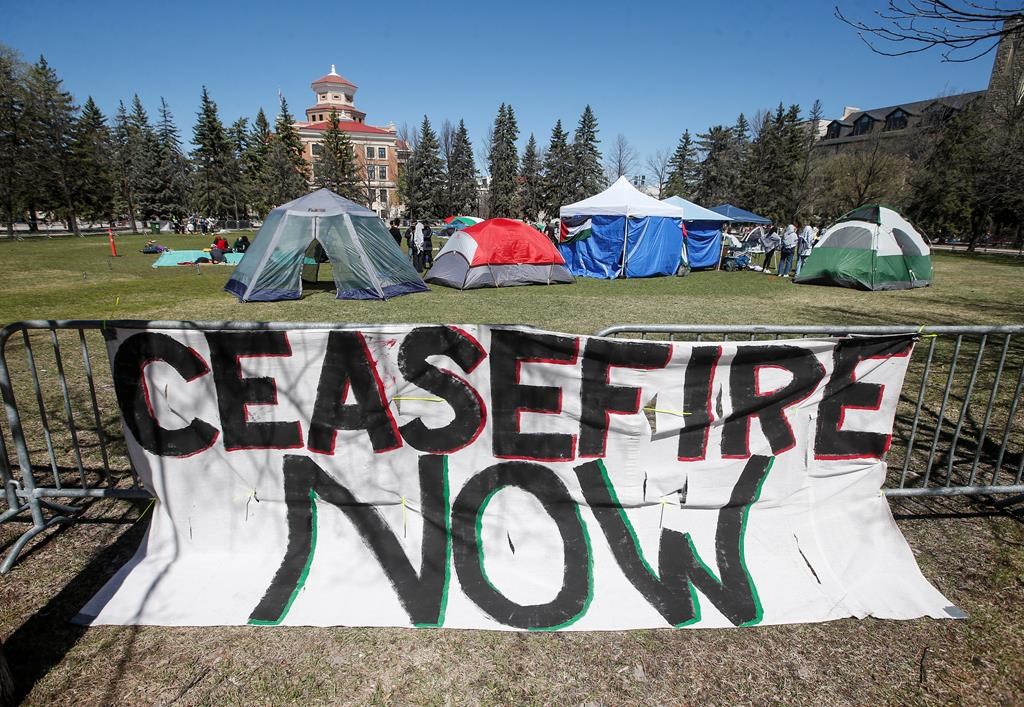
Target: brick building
column 378, row 150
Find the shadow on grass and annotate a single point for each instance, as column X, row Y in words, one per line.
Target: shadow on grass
column 43, row 641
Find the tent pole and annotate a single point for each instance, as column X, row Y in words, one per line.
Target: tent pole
column 625, row 238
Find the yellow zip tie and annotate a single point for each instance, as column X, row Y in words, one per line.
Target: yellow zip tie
column 677, row 413
column 145, row 510
column 405, row 518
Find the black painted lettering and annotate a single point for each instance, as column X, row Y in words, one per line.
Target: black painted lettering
column 844, row 392
column 133, row 355
column 349, row 365
column 600, row 399
column 422, row 595
column 509, row 398
column 469, row 408
column 768, row 407
column 574, row 595
column 234, row 392
column 669, row 589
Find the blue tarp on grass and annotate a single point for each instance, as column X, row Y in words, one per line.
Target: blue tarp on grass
column 173, row 258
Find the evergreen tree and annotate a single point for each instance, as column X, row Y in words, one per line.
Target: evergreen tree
column 144, row 160
column 741, row 158
column 286, row 133
column 12, row 137
column 425, row 176
column 212, row 189
column 94, row 180
column 172, row 171
column 285, row 171
column 337, row 168
column 764, row 162
column 50, row 122
column 254, row 164
column 462, row 187
column 531, row 195
column 503, row 164
column 588, row 177
column 682, row 176
column 806, row 182
column 238, row 136
column 122, row 166
column 716, row 170
column 947, row 195
column 557, row 182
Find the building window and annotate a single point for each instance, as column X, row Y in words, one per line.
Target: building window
column 897, row 120
column 348, row 97
column 382, row 153
column 318, row 149
column 833, row 131
column 863, row 125
column 383, row 197
column 382, row 172
column 371, row 171
column 370, row 152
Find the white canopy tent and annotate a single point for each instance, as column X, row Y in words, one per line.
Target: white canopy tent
column 694, row 212
column 622, row 232
column 621, row 199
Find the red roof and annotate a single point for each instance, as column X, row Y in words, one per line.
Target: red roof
column 505, row 241
column 350, row 126
column 334, row 78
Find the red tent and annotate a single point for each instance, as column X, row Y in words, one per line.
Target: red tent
column 499, row 252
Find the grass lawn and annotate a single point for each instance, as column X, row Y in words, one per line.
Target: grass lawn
column 974, row 554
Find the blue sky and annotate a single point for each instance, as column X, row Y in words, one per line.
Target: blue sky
column 649, row 69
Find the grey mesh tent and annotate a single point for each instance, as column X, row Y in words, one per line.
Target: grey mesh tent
column 367, row 263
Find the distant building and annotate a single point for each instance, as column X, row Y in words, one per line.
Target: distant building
column 895, row 127
column 378, row 150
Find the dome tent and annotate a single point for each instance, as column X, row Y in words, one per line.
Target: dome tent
column 870, row 248
column 499, row 252
column 366, row 261
column 622, row 232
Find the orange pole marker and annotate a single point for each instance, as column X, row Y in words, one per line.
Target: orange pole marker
column 113, row 245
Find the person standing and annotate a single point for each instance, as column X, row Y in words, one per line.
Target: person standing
column 396, row 233
column 804, row 245
column 789, row 241
column 417, row 247
column 770, row 243
column 428, row 246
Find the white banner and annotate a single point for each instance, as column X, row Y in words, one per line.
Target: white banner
column 509, row 478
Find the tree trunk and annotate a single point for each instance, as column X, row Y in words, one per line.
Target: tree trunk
column 33, row 219
column 6, row 681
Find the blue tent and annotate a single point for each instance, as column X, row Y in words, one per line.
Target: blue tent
column 739, row 215
column 622, row 232
column 703, row 232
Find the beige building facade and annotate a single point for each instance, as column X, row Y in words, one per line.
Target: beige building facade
column 378, row 150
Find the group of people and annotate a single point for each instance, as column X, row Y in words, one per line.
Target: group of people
column 793, row 248
column 418, row 240
column 220, row 246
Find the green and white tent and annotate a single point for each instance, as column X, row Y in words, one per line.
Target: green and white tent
column 870, row 248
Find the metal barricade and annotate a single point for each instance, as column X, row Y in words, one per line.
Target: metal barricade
column 959, row 427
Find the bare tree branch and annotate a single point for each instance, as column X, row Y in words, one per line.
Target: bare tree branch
column 965, row 30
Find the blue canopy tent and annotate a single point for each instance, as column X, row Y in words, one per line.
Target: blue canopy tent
column 740, row 215
column 621, row 232
column 703, row 232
